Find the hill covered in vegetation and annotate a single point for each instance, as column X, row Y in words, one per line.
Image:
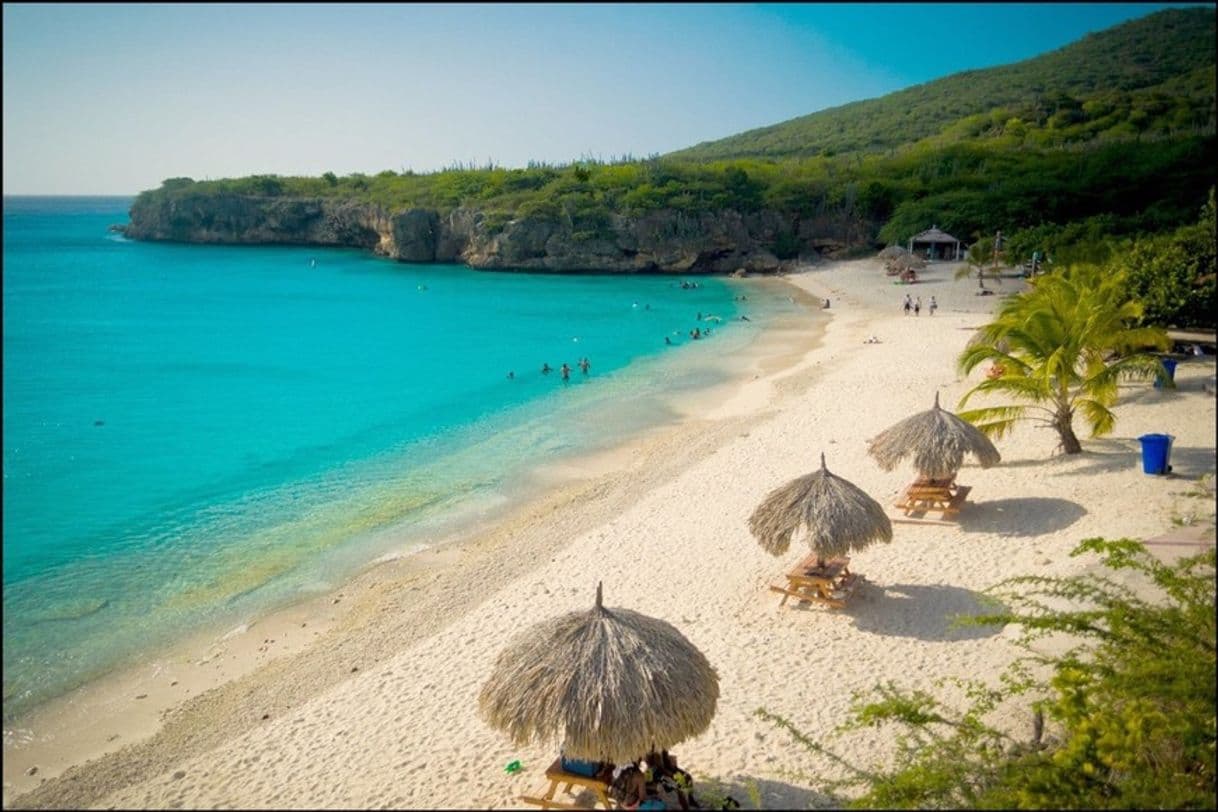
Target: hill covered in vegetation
column 1151, row 76
column 1111, row 137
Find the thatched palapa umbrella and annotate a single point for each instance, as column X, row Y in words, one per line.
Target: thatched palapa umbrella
column 838, row 515
column 905, row 262
column 937, row 440
column 605, row 684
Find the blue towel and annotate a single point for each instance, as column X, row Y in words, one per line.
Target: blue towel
column 580, row 767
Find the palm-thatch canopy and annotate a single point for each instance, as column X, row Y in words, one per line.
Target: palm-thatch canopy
column 937, row 440
column 604, row 684
column 838, row 515
column 933, row 238
column 905, row 262
column 891, row 252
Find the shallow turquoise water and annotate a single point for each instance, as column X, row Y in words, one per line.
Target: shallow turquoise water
column 193, row 434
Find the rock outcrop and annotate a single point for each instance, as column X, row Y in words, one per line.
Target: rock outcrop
column 665, row 241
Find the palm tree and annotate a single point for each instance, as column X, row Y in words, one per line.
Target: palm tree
column 1063, row 345
column 982, row 259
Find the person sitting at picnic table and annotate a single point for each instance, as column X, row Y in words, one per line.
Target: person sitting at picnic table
column 629, row 788
column 669, row 780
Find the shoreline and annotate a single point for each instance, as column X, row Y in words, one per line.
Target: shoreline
column 194, row 677
column 363, row 717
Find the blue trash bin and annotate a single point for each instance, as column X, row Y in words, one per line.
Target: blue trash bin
column 1156, row 453
column 1170, row 365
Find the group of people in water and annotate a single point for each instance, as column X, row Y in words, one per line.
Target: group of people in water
column 565, row 370
column 696, row 334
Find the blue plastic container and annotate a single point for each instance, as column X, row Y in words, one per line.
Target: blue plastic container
column 1170, row 365
column 1156, row 453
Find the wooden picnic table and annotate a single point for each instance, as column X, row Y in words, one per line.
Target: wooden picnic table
column 923, row 496
column 558, row 776
column 829, row 583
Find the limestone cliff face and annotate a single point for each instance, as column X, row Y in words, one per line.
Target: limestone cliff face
column 657, row 242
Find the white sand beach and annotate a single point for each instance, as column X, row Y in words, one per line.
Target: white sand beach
column 367, row 698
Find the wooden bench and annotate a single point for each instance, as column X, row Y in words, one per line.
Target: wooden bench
column 923, row 497
column 829, row 583
column 558, row 776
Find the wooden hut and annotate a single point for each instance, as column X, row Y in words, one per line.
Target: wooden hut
column 935, row 244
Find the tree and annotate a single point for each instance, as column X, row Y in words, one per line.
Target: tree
column 330, row 178
column 982, row 259
column 1063, row 345
column 1174, row 275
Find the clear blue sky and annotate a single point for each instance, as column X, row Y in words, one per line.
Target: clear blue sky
column 113, row 98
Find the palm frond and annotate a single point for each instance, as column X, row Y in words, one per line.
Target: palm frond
column 1098, row 416
column 995, row 421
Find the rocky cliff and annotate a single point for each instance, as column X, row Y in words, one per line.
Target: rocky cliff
column 663, row 241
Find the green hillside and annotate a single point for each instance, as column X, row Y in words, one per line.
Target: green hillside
column 1158, row 71
column 1072, row 154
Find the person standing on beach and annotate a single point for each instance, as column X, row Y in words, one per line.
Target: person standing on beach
column 908, row 304
column 933, row 305
column 918, row 306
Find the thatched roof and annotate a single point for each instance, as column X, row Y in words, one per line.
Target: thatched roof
column 891, row 252
column 905, row 262
column 838, row 515
column 937, row 440
column 934, row 234
column 607, row 684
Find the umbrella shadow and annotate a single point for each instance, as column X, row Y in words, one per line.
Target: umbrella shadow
column 1020, row 516
column 923, row 611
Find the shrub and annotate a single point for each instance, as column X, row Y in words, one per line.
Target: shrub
column 1124, row 720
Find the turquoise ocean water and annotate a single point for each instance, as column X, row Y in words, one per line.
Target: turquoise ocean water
column 196, row 434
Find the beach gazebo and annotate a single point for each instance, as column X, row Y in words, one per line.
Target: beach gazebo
column 936, row 243
column 937, row 440
column 604, row 684
column 837, row 517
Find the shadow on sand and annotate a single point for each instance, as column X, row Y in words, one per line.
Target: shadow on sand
column 1109, row 455
column 922, row 611
column 773, row 794
column 1020, row 516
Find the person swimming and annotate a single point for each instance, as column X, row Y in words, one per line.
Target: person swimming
column 566, row 371
column 545, row 368
column 584, row 365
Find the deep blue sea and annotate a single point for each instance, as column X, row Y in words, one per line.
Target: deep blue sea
column 197, row 434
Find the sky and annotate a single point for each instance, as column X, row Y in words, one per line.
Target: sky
column 114, row 98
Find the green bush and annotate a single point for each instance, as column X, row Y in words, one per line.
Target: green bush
column 1174, row 275
column 1124, row 720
